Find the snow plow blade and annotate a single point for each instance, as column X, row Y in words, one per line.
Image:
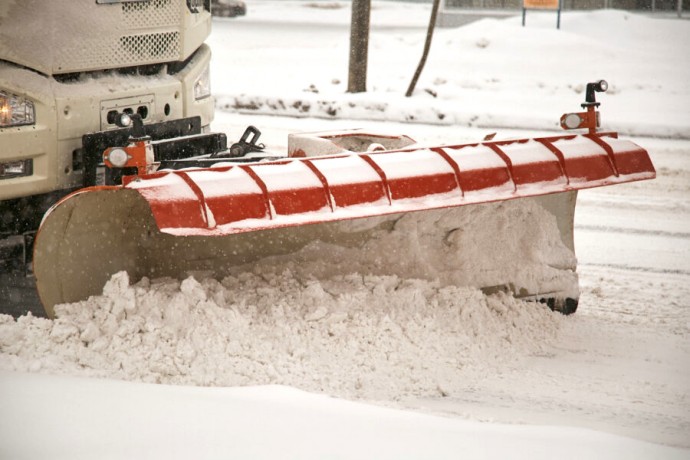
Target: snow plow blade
column 494, row 215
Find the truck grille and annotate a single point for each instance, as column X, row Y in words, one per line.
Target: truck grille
column 151, row 46
column 154, row 13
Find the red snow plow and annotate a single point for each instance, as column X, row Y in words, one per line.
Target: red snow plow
column 494, row 215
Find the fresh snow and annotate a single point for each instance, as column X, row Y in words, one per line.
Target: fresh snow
column 127, row 420
column 374, row 366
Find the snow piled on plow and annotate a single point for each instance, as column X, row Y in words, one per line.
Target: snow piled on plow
column 513, row 245
column 373, row 337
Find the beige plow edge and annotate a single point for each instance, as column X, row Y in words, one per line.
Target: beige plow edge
column 94, row 234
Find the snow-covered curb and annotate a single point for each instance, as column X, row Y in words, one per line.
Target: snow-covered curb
column 374, row 107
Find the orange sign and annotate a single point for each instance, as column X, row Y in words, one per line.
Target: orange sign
column 541, row 4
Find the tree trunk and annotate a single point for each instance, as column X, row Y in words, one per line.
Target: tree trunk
column 359, row 46
column 427, row 46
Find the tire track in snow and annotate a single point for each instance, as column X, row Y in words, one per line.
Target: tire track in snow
column 638, row 269
column 633, row 231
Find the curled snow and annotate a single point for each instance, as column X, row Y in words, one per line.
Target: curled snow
column 515, row 244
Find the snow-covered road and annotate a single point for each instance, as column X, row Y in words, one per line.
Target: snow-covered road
column 652, row 219
column 622, row 363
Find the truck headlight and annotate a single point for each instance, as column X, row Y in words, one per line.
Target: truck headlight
column 19, row 168
column 202, row 85
column 15, row 110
